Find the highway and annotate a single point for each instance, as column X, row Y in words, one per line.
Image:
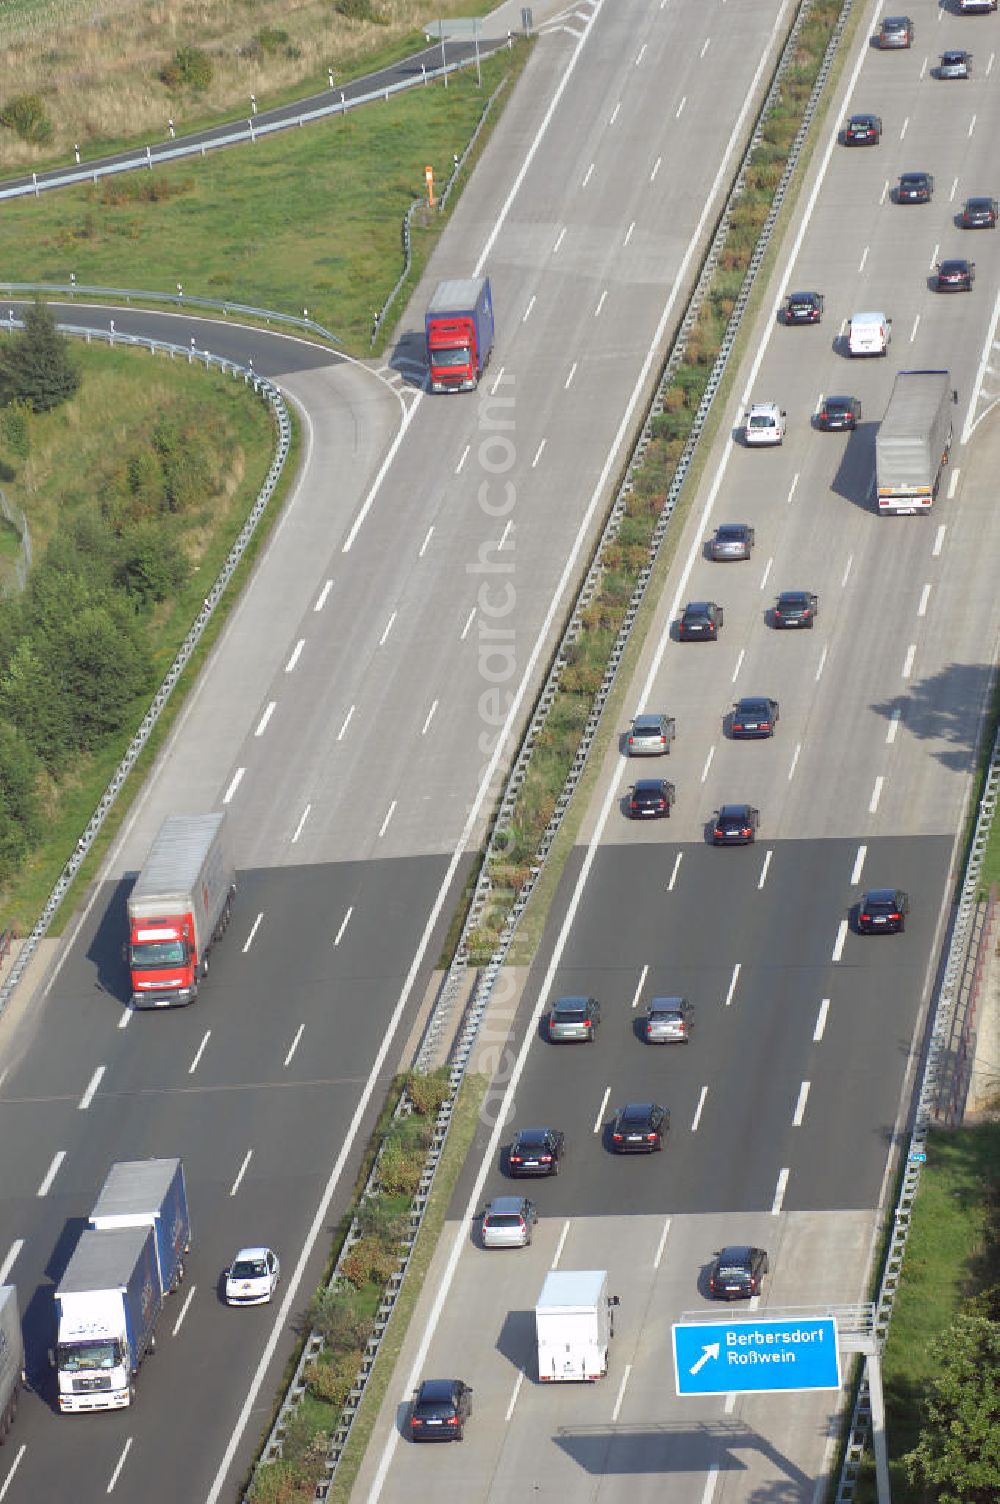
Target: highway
column 788, row 1103
column 352, row 720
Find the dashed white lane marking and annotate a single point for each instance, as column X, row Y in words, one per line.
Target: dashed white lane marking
column 294, row 1044
column 656, row 168
column 430, row 717
column 698, row 1110
column 953, row 482
column 925, row 596
column 791, row 489
column 92, row 1086
column 296, row 655
column 859, row 862
column 794, row 762
column 199, row 1052
column 800, row 1105
column 732, row 982
column 385, row 634
column 569, row 378
column 302, row 823
column 343, row 926
column 531, row 301
column 184, row 1310
column 253, row 930
column 916, row 326
column 838, row 944
column 820, row 1028
column 51, row 1173
column 600, row 303
column 939, row 540
column 385, row 823
column 468, row 623
column 822, row 662
column 466, row 451
column 763, row 871
column 708, row 1491
column 779, row 1192
column 427, row 538
column 864, row 258
column 538, row 454
column 767, row 571
column 739, row 664
column 13, row 1469
column 323, row 596
column 635, row 1000
column 598, row 1121
column 237, row 779
column 513, row 1399
column 561, row 1244
column 621, row 1393
column 614, row 113
column 344, row 725
column 241, row 1172
column 894, row 719
column 911, row 653
column 876, row 795
column 11, row 1259
column 119, row 1465
column 708, row 763
column 661, row 1244
column 677, row 867
column 262, row 723
column 680, row 107
column 630, row 232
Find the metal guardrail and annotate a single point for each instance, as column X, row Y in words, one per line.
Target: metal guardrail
column 161, row 152
column 179, row 299
column 927, row 1108
column 268, row 393
column 457, row 972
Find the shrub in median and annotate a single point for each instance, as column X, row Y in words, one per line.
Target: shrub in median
column 336, row 1316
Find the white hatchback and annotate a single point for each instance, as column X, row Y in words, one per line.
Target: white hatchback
column 252, row 1277
column 764, row 424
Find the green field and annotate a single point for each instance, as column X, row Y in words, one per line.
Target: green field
column 306, row 219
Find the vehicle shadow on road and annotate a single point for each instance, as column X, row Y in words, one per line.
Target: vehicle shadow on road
column 943, row 708
column 409, row 358
column 663, row 1449
column 516, row 1342
column 853, row 476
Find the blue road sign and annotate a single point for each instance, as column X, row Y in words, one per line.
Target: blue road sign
column 746, row 1356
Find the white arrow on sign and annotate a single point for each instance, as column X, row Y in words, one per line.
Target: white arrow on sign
column 710, row 1350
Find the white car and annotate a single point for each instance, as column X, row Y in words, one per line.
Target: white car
column 252, row 1277
column 764, row 424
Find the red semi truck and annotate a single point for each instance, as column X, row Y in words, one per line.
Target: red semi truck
column 181, row 903
column 459, row 330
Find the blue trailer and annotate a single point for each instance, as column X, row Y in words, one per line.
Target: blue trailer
column 459, row 330
column 149, row 1193
column 107, row 1303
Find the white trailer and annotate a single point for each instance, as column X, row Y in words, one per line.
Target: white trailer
column 11, row 1357
column 574, row 1319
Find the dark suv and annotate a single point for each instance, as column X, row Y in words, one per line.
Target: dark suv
column 440, row 1409
column 795, row 608
column 639, row 1128
column 737, row 1272
column 535, row 1151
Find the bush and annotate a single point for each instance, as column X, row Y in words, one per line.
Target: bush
column 335, row 1315
column 36, row 369
column 369, row 1262
column 427, row 1093
column 378, row 1218
column 359, row 10
column 26, row 116
column 190, row 68
column 331, row 1381
column 399, row 1169
column 271, row 39
column 15, row 428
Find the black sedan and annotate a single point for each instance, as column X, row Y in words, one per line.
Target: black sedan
column 440, row 1409
column 803, row 308
column 883, row 911
column 915, row 188
column 735, row 825
column 863, row 130
column 536, row 1151
column 979, row 214
column 737, row 1272
column 753, row 716
column 651, row 799
column 836, row 413
column 795, row 608
column 639, row 1128
column 955, row 276
column 700, row 622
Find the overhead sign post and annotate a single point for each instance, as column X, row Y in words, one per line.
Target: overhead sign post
column 746, row 1356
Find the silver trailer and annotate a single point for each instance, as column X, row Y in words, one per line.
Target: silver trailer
column 914, row 441
column 11, row 1357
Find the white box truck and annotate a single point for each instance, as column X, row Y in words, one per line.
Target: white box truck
column 149, row 1193
column 11, row 1357
column 574, row 1319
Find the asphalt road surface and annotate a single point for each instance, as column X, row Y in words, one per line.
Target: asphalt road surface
column 789, row 1101
column 351, row 719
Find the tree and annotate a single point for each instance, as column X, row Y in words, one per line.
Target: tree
column 958, row 1454
column 19, row 821
column 35, row 366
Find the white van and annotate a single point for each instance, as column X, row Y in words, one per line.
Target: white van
column 764, row 424
column 869, row 334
